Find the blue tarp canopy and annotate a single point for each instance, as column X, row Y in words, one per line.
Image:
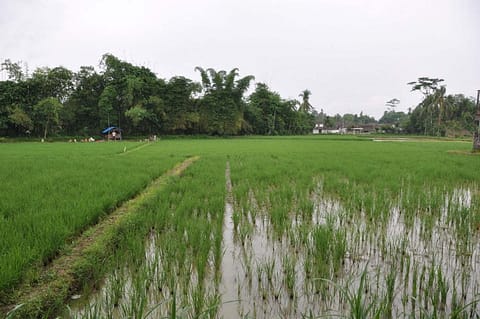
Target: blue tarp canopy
column 109, row 129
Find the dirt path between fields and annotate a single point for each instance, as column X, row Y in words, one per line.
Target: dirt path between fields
column 60, row 279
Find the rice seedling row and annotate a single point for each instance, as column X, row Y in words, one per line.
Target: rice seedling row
column 303, row 227
column 50, row 193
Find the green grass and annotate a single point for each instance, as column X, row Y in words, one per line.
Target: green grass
column 51, row 192
column 179, row 266
column 324, row 205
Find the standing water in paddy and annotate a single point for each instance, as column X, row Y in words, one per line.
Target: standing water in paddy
column 318, row 258
column 297, row 236
column 228, row 273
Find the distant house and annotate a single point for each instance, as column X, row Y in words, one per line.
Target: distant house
column 363, row 129
column 321, row 129
column 360, row 129
column 357, row 130
column 317, row 129
column 370, row 128
column 340, row 130
column 112, row 133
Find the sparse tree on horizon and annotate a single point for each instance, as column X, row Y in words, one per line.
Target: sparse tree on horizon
column 305, row 105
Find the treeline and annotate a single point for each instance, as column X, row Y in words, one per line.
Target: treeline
column 59, row 101
column 438, row 114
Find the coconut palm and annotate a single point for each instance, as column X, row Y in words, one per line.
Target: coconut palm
column 434, row 102
column 305, row 105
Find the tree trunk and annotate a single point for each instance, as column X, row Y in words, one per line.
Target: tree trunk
column 45, row 131
column 476, row 142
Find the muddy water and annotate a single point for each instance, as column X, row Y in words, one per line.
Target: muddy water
column 229, row 279
column 434, row 265
column 265, row 274
column 430, row 267
column 413, row 265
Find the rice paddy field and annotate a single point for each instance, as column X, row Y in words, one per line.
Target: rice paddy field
column 286, row 227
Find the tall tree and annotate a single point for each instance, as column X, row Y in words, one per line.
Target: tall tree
column 392, row 104
column 263, row 110
column 457, row 116
column 20, row 120
column 14, row 70
column 56, row 82
column 222, row 105
column 180, row 107
column 106, row 104
column 47, row 114
column 426, row 85
column 81, row 113
column 433, row 104
column 132, row 85
column 305, row 105
column 148, row 116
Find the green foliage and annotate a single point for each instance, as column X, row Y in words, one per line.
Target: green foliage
column 305, row 105
column 14, row 70
column 20, row 119
column 426, row 85
column 85, row 112
column 264, row 111
column 393, row 117
column 437, row 115
column 222, row 106
column 346, row 120
column 180, row 114
column 269, row 114
column 46, row 114
column 136, row 114
column 56, row 82
column 106, row 104
column 136, row 100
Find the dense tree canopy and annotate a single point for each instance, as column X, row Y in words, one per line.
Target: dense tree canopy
column 222, row 106
column 440, row 114
column 452, row 116
column 58, row 101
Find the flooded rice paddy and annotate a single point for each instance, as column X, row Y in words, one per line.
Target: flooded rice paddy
column 305, row 257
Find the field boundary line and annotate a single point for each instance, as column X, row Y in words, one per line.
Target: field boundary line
column 77, row 262
column 463, row 152
column 133, row 149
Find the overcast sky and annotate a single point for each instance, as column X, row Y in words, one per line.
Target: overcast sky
column 353, row 55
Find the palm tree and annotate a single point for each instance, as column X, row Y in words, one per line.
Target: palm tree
column 439, row 100
column 305, row 105
column 426, row 85
column 213, row 80
column 206, row 83
column 434, row 101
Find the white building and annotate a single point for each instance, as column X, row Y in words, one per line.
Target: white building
column 317, row 129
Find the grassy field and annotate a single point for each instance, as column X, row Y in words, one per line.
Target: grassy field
column 51, row 192
column 257, row 227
